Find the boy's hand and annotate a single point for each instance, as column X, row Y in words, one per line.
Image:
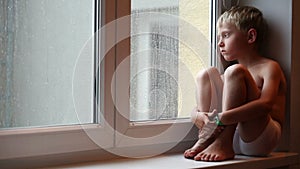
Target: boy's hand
column 203, row 118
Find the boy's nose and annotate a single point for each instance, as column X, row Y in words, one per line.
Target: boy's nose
column 220, row 43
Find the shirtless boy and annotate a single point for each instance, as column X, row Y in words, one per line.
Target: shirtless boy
column 241, row 111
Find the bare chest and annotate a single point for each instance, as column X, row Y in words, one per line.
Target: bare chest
column 258, row 79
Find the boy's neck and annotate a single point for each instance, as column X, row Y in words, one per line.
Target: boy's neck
column 250, row 58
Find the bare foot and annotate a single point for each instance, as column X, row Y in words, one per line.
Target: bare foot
column 197, row 148
column 217, row 151
column 207, row 135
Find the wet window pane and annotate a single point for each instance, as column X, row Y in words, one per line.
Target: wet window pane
column 165, row 58
column 41, row 59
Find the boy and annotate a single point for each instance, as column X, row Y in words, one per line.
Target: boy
column 250, row 96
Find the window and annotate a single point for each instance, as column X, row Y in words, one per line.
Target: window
column 39, row 73
column 157, row 57
column 161, row 53
column 47, row 78
column 130, row 84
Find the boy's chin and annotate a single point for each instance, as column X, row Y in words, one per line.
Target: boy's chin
column 229, row 59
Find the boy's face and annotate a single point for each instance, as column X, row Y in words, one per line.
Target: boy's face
column 232, row 42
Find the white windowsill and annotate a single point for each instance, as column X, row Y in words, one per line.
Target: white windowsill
column 277, row 159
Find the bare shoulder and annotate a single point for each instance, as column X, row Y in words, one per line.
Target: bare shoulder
column 271, row 72
column 270, row 64
column 271, row 68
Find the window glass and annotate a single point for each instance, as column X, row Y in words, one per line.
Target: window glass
column 169, row 45
column 43, row 54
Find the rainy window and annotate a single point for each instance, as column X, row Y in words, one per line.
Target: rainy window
column 169, row 45
column 46, row 62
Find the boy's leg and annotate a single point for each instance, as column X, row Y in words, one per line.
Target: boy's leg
column 239, row 88
column 208, row 97
column 209, row 90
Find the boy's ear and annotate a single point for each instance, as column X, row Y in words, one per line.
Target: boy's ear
column 252, row 35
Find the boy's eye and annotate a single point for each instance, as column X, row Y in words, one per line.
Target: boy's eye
column 226, row 35
column 223, row 35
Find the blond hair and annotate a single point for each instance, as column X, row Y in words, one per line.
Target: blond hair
column 245, row 18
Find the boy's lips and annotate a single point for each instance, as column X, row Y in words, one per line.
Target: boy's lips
column 223, row 51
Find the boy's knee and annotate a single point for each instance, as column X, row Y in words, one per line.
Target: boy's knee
column 204, row 75
column 235, row 71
